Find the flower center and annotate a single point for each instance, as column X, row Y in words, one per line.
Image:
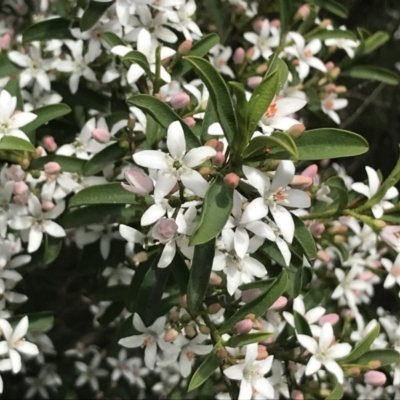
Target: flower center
column 272, row 110
column 307, row 53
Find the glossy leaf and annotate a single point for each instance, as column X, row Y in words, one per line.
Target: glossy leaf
column 337, row 392
column 219, row 94
column 53, row 28
column 334, row 7
column 333, row 34
column 373, row 42
column 301, row 324
column 164, row 115
column 67, row 164
column 200, row 274
column 242, row 109
column 210, row 117
column 139, row 58
column 304, row 237
column 384, row 356
column 207, row 367
column 109, row 193
column 260, row 305
column 111, row 293
column 181, row 273
column 12, row 87
column 243, row 340
column 318, row 144
column 295, row 284
column 7, row 68
column 52, row 248
column 217, row 207
column 93, row 13
column 38, row 322
column 285, row 11
column 372, row 72
column 14, row 143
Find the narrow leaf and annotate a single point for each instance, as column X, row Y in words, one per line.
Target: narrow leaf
column 93, row 13
column 54, row 28
column 243, row 340
column 304, row 237
column 14, row 143
column 384, row 356
column 38, row 322
column 207, row 367
column 67, row 164
column 7, row 68
column 373, row 73
column 181, row 273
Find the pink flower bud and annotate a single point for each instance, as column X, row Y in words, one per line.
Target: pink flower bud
column 164, row 230
column 47, row 205
column 331, row 87
column 239, row 55
column 20, row 188
column 297, row 395
column 170, row 335
column 329, row 66
column 301, row 182
column 5, row 41
column 311, row 171
column 15, row 173
column 180, row 100
column 52, row 168
column 323, row 256
column 254, row 81
column 139, row 182
column 21, row 199
column 232, row 180
column 215, row 279
column 190, row 331
column 304, row 11
column 329, row 319
column 262, row 353
column 347, row 312
column 316, row 229
column 250, row 294
column 375, row 378
column 275, row 23
column 250, row 52
column 279, row 303
column 257, row 24
column 49, row 144
column 219, row 159
column 366, row 276
column 185, row 47
column 190, row 121
column 101, row 135
column 183, row 301
column 220, row 146
column 244, row 326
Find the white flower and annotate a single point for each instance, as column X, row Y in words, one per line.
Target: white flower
column 264, row 42
column 330, row 104
column 324, row 352
column 10, row 122
column 346, row 44
column 251, row 373
column 371, row 189
column 219, row 58
column 14, row 342
column 121, row 274
column 393, row 270
column 182, row 20
column 90, row 373
column 177, row 165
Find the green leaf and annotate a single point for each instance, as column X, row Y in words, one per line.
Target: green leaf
column 285, row 11
column 219, row 15
column 219, row 94
column 301, row 324
column 110, row 155
column 164, row 115
column 111, row 293
column 101, row 214
column 363, row 346
column 372, row 72
column 318, row 144
column 7, row 68
column 112, row 39
column 207, row 367
column 38, row 322
column 337, row 392
column 46, row 114
column 260, row 101
column 384, row 356
column 154, row 131
column 210, row 117
column 334, row 7
column 277, row 64
column 67, row 164
column 333, row 34
column 52, row 249
column 109, row 193
column 304, row 237
column 139, row 58
column 181, row 273
column 13, row 88
column 278, row 139
column 14, row 143
column 242, row 340
column 260, row 305
column 54, row 28
column 261, row 284
column 199, row 49
column 93, row 13
column 295, row 281
column 217, row 207
column 242, row 108
column 200, row 274
column 373, row 42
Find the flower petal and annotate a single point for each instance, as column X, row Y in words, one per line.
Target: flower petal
column 197, row 156
column 151, row 159
column 176, row 142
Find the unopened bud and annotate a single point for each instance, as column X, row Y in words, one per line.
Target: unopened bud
column 250, row 294
column 239, row 55
column 250, row 53
column 244, row 326
column 303, row 11
column 257, row 24
column 254, row 81
column 183, row 301
column 186, row 318
column 297, row 395
column 333, row 230
column 170, row 335
column 38, row 152
column 262, row 69
column 219, row 159
column 258, row 325
column 317, row 229
column 205, row 171
column 215, row 279
column 366, row 276
column 232, row 180
column 331, row 87
column 214, row 308
column 326, row 22
column 222, row 354
column 25, row 164
column 189, row 121
column 131, row 123
column 5, row 41
column 339, row 239
column 101, row 135
column 375, row 378
column 311, row 171
column 251, row 317
column 329, row 66
column 334, row 72
column 179, row 100
column 220, row 146
column 296, row 130
column 49, row 143
column 329, row 319
column 174, row 316
column 301, row 182
column 262, row 353
column 140, row 257
column 124, row 144
column 374, row 364
column 190, row 331
column 185, row 47
column 275, row 23
column 323, row 256
column 138, row 182
column 279, row 303
column 379, row 223
column 341, row 89
column 52, row 168
column 20, row 188
column 354, row 371
column 212, row 143
column 47, row 205
column 204, row 329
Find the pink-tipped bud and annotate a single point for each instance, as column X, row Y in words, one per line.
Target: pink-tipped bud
column 183, row 301
column 190, row 121
column 179, row 100
column 244, row 326
column 311, row 171
column 138, row 182
column 317, row 229
column 303, row 11
column 170, row 335
column 20, row 188
column 297, row 395
column 375, row 378
column 335, row 72
column 232, row 180
column 190, row 331
column 220, row 146
column 47, row 205
column 366, row 276
column 257, row 24
column 301, row 182
column 215, row 279
column 142, row 256
column 52, row 168
column 164, row 230
column 329, row 66
column 214, row 308
column 250, row 53
column 296, row 130
column 329, row 319
column 262, row 69
column 254, row 81
column 323, row 256
column 275, row 23
column 279, row 303
column 347, row 312
column 219, row 159
column 49, row 144
column 101, row 135
column 250, row 294
column 185, row 47
column 331, row 87
column 239, row 55
column 212, row 143
column 325, row 162
column 5, row 41
column 262, row 353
